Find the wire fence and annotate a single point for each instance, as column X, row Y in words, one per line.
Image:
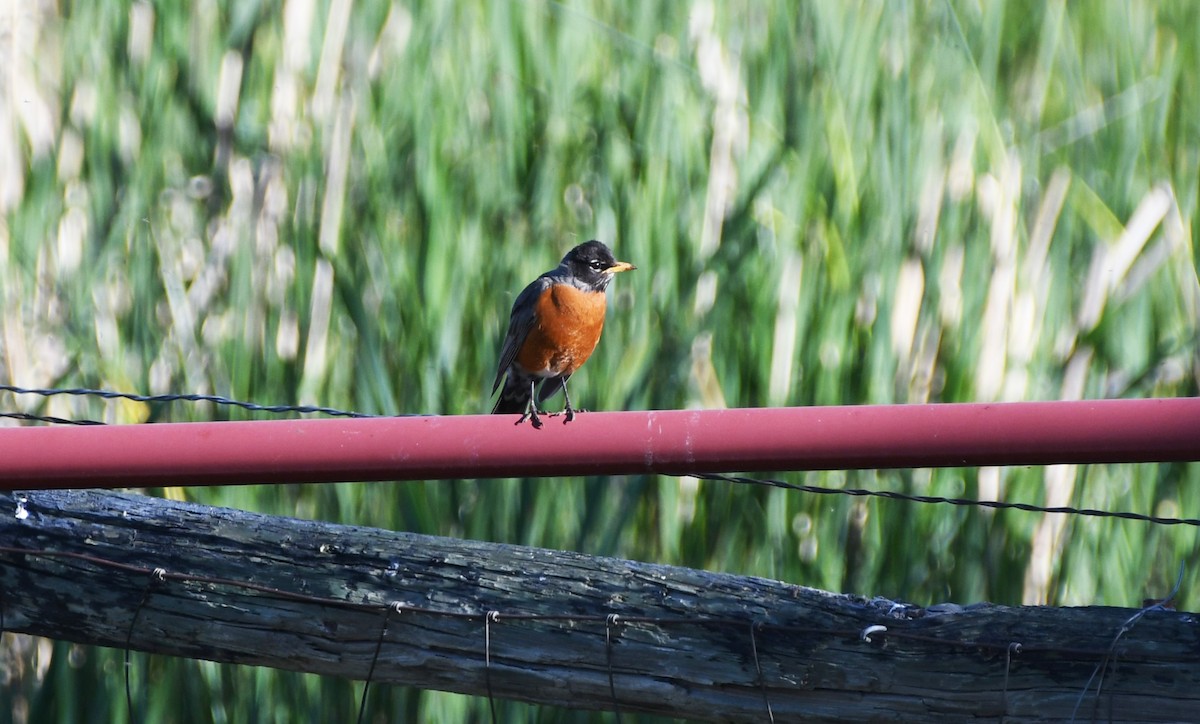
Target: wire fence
column 613, row 622
column 281, row 409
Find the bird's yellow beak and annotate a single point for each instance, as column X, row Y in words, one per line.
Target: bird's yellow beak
column 620, row 267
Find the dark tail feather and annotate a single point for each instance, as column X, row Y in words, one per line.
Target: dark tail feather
column 514, row 396
column 551, row 387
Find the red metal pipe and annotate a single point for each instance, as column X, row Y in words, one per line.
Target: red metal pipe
column 676, row 441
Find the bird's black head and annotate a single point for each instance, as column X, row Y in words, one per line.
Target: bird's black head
column 593, row 265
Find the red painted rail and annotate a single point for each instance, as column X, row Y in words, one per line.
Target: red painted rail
column 676, row 441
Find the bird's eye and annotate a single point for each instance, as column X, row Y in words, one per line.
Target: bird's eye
column 597, row 265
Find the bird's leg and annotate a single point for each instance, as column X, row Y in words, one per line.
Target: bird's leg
column 570, row 411
column 531, row 411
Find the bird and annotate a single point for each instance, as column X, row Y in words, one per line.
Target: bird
column 553, row 328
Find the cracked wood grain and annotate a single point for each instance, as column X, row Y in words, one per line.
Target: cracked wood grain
column 943, row 663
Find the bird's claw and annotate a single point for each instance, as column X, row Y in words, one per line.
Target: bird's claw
column 534, row 419
column 568, row 414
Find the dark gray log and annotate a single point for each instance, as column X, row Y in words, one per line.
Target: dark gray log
column 695, row 660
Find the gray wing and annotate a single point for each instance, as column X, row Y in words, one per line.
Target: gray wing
column 520, row 321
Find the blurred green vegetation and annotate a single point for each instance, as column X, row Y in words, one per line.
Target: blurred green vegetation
column 828, row 202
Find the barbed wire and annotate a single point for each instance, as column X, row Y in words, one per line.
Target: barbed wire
column 938, row 499
column 47, row 418
column 723, row 477
column 134, row 397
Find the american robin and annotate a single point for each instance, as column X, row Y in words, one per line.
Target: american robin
column 552, row 330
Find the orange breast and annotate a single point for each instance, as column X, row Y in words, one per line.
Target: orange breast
column 569, row 322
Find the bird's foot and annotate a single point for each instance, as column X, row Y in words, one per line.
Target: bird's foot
column 568, row 414
column 532, row 415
